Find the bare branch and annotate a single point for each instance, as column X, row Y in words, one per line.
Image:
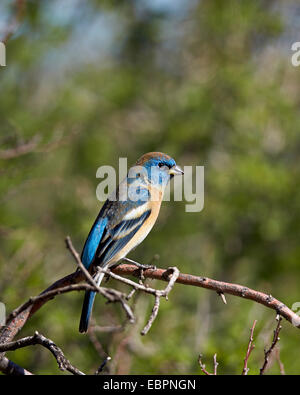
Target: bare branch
column 37, row 338
column 269, row 351
column 141, row 287
column 19, row 316
column 33, row 145
column 203, row 368
column 108, row 329
column 152, row 316
column 102, row 366
column 158, row 295
column 76, row 256
column 215, row 365
column 21, row 149
column 97, row 345
column 281, row 366
column 218, row 286
column 47, row 295
column 98, row 348
column 249, row 350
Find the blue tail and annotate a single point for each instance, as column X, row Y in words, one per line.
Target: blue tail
column 87, row 256
column 87, row 307
column 88, row 303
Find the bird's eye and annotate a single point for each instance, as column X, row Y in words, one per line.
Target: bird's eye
column 160, row 164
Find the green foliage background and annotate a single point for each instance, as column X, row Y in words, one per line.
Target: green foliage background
column 208, row 82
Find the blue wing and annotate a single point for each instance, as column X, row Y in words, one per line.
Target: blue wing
column 93, row 240
column 114, row 239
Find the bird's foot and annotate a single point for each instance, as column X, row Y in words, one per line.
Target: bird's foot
column 140, row 265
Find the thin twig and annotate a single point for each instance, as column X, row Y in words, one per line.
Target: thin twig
column 76, row 256
column 215, row 364
column 249, row 350
column 34, row 146
column 281, row 365
column 269, row 351
column 47, row 295
column 158, row 295
column 152, row 316
column 203, row 368
column 108, row 329
column 97, row 345
column 102, row 366
column 21, row 149
column 221, row 294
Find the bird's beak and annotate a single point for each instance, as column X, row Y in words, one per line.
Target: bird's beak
column 176, row 171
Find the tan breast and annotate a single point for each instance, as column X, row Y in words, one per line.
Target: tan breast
column 142, row 233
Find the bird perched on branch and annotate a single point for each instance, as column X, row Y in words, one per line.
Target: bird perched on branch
column 126, row 218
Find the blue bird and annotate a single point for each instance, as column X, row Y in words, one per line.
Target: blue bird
column 126, row 218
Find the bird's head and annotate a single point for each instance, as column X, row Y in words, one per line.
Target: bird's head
column 159, row 168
